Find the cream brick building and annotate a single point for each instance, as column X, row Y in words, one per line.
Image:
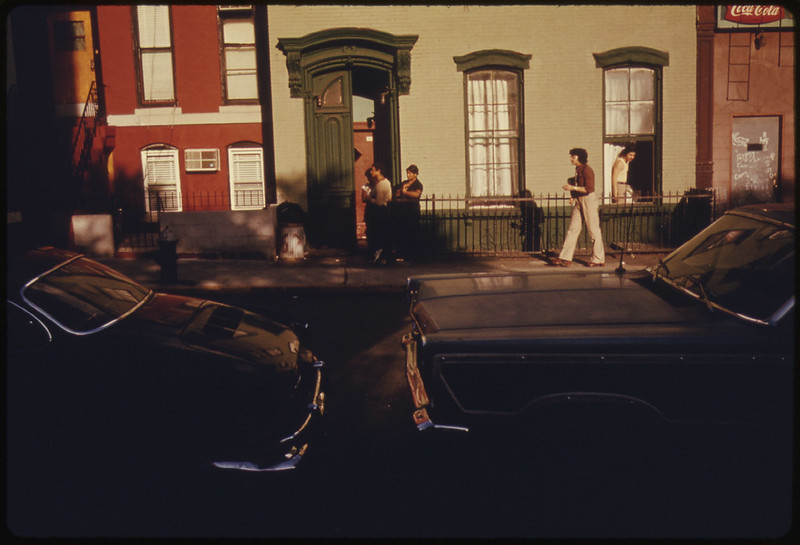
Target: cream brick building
column 561, row 54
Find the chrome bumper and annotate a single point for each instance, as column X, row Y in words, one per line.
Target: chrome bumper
column 293, row 456
column 417, row 386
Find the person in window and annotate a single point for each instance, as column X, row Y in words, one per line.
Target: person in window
column 405, row 214
column 376, row 212
column 621, row 191
column 584, row 209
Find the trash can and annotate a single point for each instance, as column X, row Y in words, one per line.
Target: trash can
column 291, row 219
column 293, row 241
column 168, row 256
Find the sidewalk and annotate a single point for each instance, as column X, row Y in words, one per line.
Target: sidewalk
column 340, row 270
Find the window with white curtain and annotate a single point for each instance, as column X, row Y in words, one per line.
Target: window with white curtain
column 493, row 127
column 246, row 167
column 238, row 46
column 162, row 182
column 631, row 117
column 154, row 54
column 630, row 101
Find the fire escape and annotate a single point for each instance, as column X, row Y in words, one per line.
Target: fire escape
column 85, row 134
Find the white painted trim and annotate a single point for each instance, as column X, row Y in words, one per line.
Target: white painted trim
column 152, row 117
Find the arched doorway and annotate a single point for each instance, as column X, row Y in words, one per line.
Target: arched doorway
column 327, row 69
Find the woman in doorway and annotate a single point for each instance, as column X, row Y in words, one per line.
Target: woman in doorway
column 621, row 191
column 405, row 213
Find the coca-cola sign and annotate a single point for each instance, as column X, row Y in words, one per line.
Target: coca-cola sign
column 754, row 14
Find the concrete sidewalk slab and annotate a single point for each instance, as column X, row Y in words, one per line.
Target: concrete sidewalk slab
column 349, row 271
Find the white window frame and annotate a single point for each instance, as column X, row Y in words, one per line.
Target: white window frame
column 637, row 116
column 493, row 132
column 154, row 54
column 237, row 158
column 202, row 160
column 161, row 173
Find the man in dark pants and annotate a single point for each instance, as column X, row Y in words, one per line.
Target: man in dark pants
column 376, row 212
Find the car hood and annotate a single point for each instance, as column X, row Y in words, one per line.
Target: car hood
column 575, row 306
column 198, row 324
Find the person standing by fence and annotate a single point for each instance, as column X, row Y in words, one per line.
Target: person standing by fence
column 376, row 212
column 405, row 214
column 584, row 209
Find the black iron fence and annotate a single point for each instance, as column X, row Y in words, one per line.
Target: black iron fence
column 520, row 225
column 487, row 226
column 136, row 225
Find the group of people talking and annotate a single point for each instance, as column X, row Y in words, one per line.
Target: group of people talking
column 391, row 214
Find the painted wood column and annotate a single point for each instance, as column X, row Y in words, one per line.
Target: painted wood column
column 704, row 167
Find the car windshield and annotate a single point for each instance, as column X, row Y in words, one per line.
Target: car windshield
column 83, row 296
column 742, row 264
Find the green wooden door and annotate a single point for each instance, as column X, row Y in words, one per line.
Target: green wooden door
column 331, row 197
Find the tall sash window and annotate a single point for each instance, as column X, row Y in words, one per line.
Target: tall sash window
column 493, row 132
column 238, row 45
column 154, row 55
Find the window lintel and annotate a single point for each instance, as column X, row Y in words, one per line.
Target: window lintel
column 631, row 55
column 492, row 57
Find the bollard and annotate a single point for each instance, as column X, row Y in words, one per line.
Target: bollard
column 168, row 256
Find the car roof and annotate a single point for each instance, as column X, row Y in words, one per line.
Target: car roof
column 780, row 212
column 21, row 269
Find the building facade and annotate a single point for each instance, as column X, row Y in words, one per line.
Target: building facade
column 746, row 145
column 205, row 107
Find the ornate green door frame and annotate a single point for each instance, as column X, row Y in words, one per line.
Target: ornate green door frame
column 312, row 61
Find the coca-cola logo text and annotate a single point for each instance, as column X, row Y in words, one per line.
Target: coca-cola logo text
column 754, row 15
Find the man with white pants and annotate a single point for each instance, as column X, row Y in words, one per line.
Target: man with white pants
column 584, row 209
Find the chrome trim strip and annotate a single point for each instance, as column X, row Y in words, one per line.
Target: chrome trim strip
column 316, row 405
column 29, row 313
column 62, row 326
column 771, row 321
column 418, row 393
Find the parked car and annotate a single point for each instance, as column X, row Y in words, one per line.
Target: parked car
column 100, row 364
column 704, row 336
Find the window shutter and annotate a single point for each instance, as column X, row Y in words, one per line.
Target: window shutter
column 153, row 26
column 238, row 32
column 247, row 178
column 161, row 179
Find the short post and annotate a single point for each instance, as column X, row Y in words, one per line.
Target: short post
column 168, row 256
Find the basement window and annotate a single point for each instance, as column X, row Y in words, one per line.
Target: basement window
column 202, row 160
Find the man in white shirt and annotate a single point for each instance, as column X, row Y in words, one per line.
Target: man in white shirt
column 376, row 214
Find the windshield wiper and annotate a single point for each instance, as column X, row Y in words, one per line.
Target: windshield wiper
column 661, row 265
column 704, row 293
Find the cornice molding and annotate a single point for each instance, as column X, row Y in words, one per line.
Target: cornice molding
column 492, row 57
column 359, row 41
column 631, row 55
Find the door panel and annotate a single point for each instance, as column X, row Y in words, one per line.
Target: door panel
column 755, row 152
column 331, row 219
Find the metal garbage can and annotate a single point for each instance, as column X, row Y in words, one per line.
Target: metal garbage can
column 168, row 256
column 293, row 241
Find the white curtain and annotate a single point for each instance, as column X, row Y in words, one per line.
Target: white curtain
column 492, row 133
